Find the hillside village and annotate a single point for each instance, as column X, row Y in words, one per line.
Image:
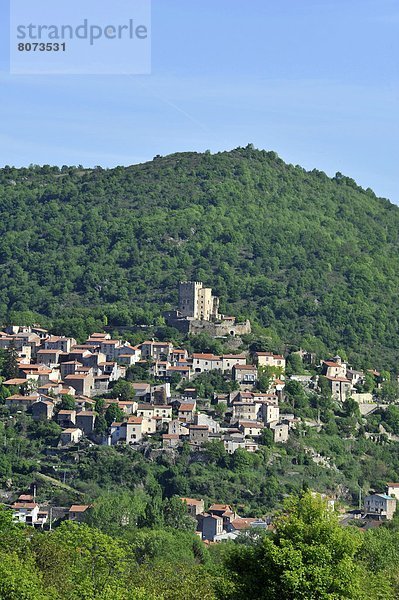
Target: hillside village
column 76, row 386
column 52, row 367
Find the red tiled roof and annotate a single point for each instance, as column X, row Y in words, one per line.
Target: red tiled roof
column 135, row 420
column 79, row 507
column 21, row 398
column 242, row 523
column 192, row 501
column 254, row 424
column 276, row 356
column 220, row 507
column 25, row 498
column 184, row 406
column 206, row 357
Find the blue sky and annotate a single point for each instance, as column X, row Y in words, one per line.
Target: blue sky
column 314, row 80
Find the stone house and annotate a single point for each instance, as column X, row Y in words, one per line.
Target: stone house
column 334, row 367
column 129, row 407
column 198, row 434
column 194, row 507
column 156, row 350
column 145, row 410
column 82, row 383
column 176, row 427
column 159, row 369
column 187, row 411
column 268, row 359
column 69, row 367
column 59, row 343
column 170, row 440
column 128, row 354
column 71, row 436
column 280, row 432
column 117, row 433
column 393, row 489
column 183, row 370
column 50, row 358
column 86, row 420
column 134, row 430
column 84, row 403
column 245, row 374
column 178, row 356
column 229, row 361
column 111, row 369
column 66, row 418
column 270, row 413
column 17, row 402
column 78, row 512
column 149, row 426
column 42, row 410
column 110, row 348
column 203, row 419
column 232, row 443
column 163, row 411
column 206, row 362
column 380, row 506
column 246, row 411
column 251, row 428
column 355, row 377
column 340, row 387
column 25, row 512
column 210, row 526
column 101, row 384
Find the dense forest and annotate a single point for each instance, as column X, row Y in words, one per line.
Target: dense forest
column 311, row 260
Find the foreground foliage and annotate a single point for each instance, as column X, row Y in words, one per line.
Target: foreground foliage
column 307, row 556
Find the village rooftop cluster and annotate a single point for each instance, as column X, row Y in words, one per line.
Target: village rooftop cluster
column 168, row 413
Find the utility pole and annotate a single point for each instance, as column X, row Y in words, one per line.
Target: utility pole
column 360, row 498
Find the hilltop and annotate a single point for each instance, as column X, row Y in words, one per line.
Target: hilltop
column 310, row 259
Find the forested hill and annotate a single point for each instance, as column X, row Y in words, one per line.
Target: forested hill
column 297, row 252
